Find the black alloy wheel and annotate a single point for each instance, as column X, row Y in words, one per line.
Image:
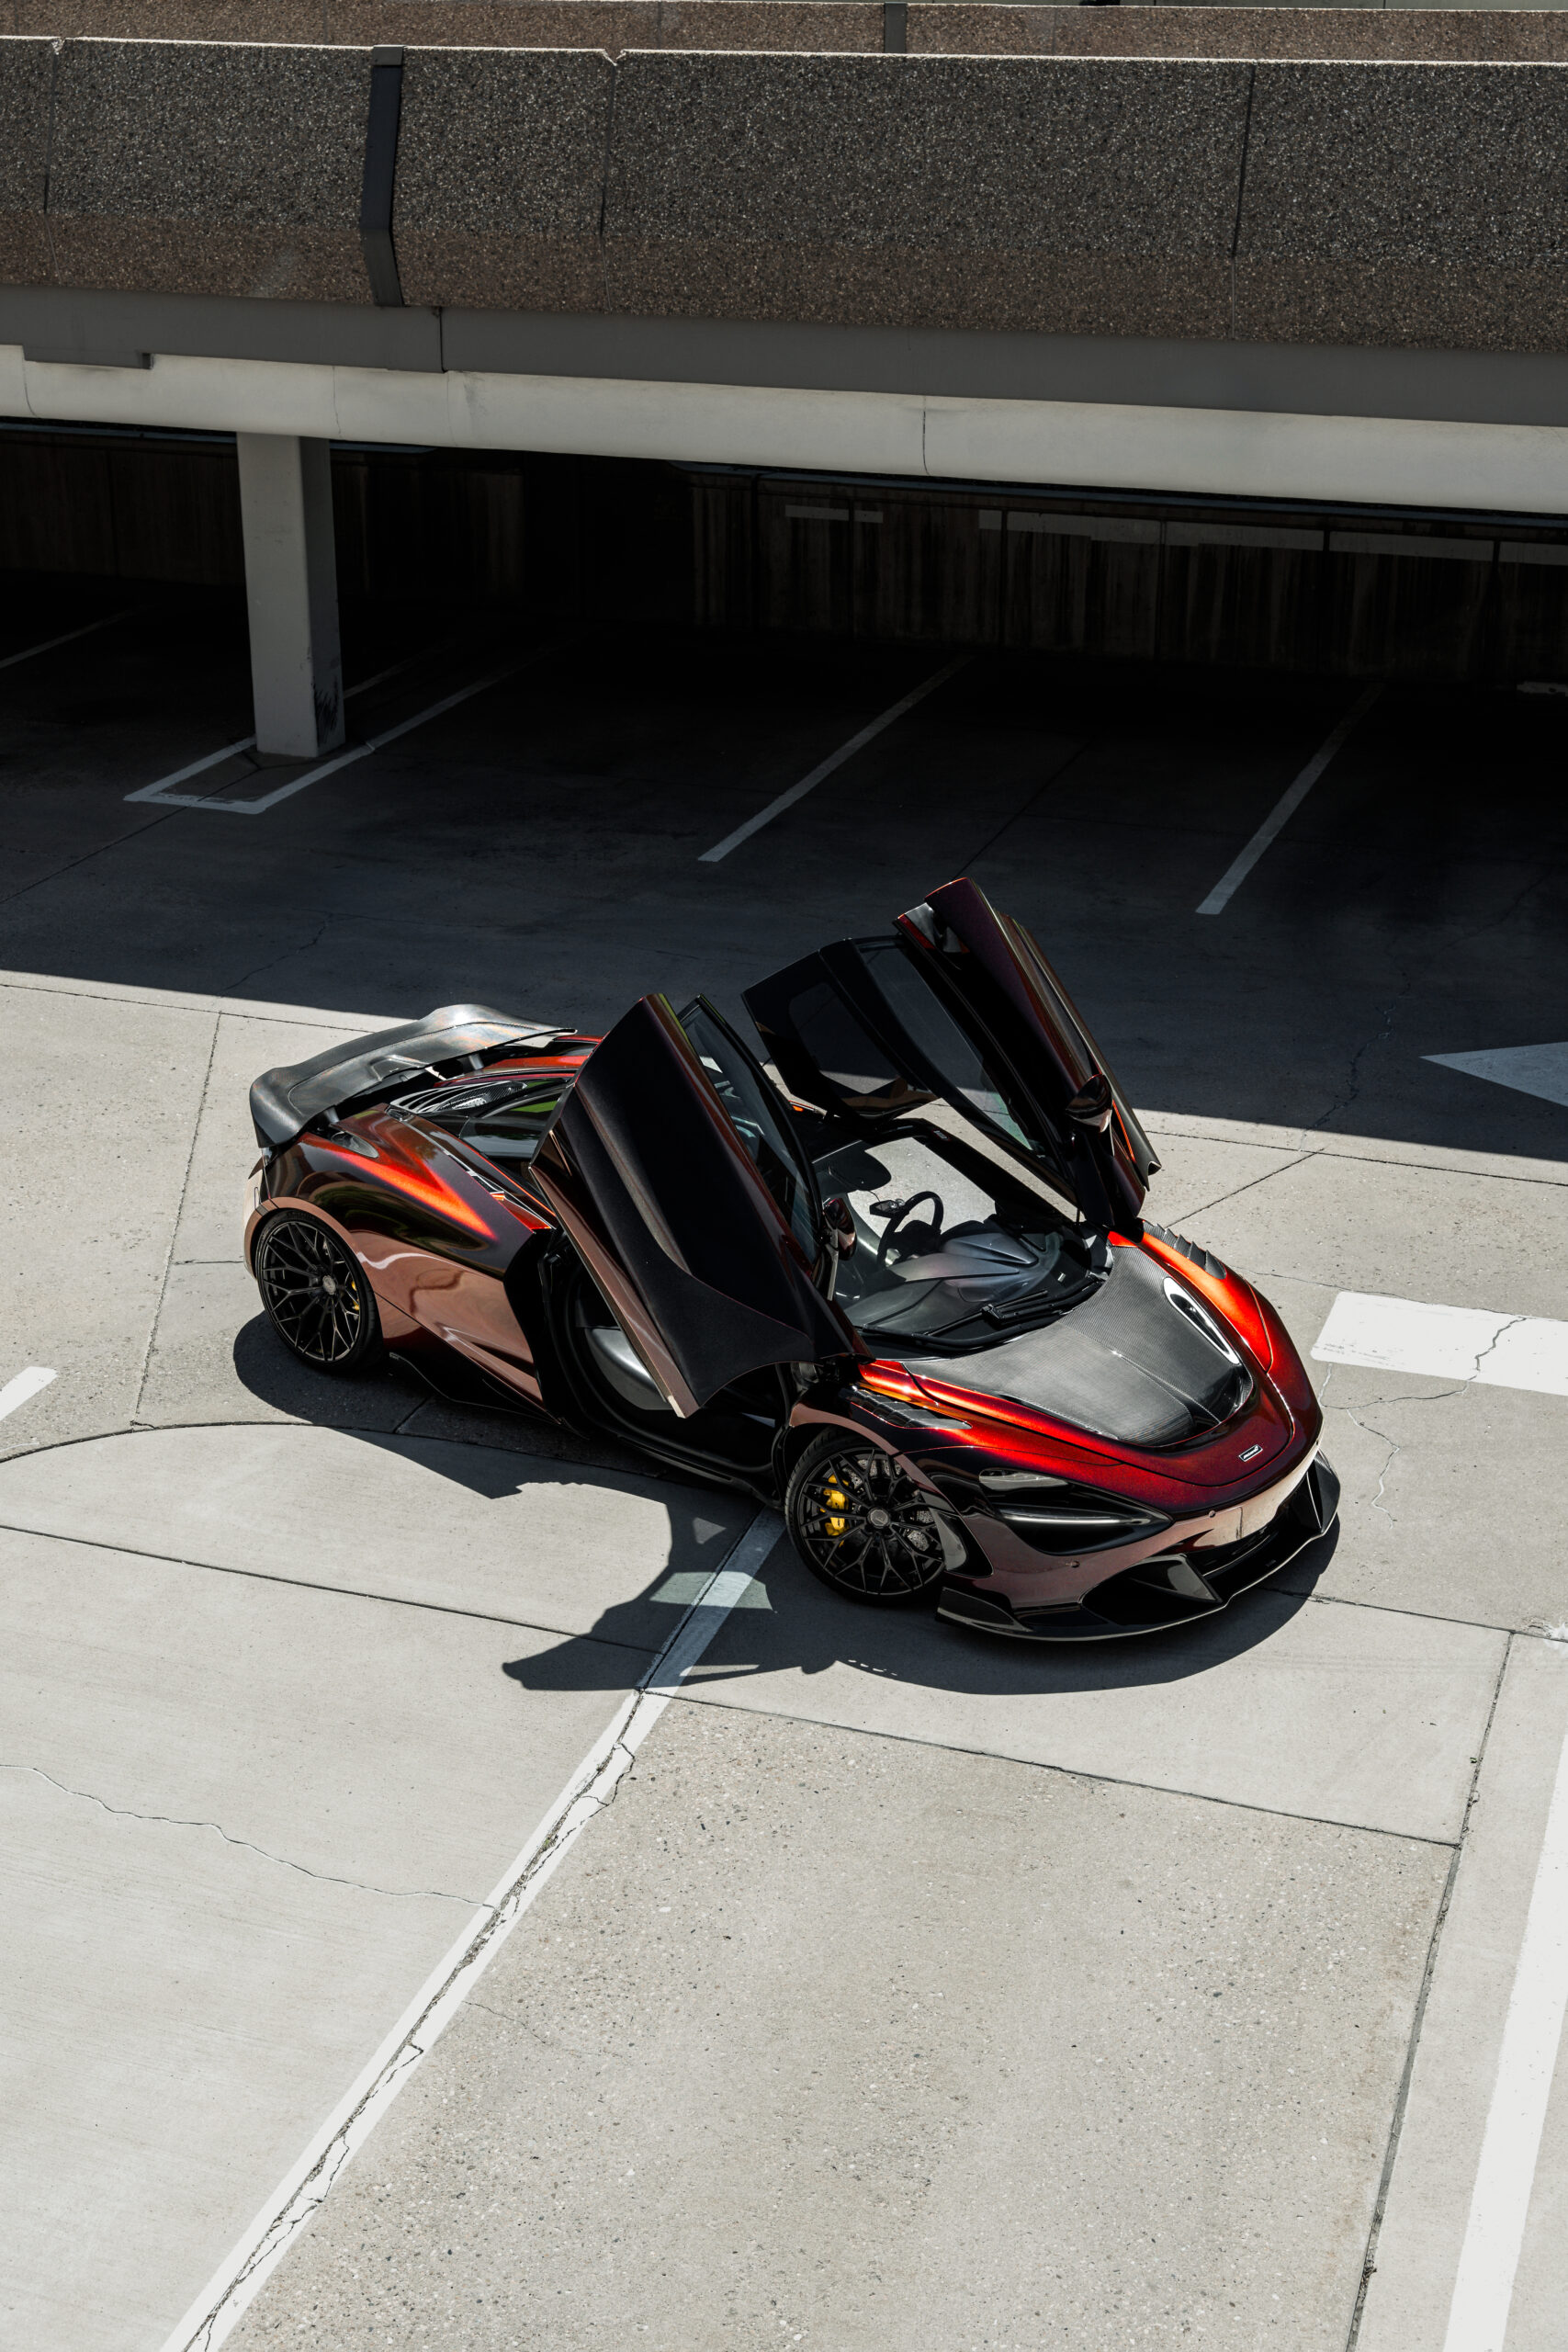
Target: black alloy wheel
column 316, row 1297
column 862, row 1524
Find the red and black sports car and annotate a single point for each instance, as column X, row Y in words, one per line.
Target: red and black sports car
column 913, row 1299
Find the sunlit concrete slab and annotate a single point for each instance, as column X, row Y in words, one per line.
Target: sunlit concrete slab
column 213, row 1210
column 1297, row 1706
column 215, row 1357
column 1504, row 2269
column 832, row 2041
column 241, row 1824
column 1454, row 1237
column 100, row 1100
column 1386, row 1149
column 1449, row 1504
column 1197, row 1172
column 425, row 1521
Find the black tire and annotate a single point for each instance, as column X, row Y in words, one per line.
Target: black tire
column 861, row 1524
column 316, row 1297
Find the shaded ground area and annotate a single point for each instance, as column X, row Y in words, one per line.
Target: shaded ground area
column 539, row 846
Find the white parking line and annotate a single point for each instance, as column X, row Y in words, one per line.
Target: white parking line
column 1489, row 2259
column 834, row 760
column 161, row 793
column 26, row 1384
column 1285, row 807
column 303, row 2191
column 31, row 652
column 1465, row 1343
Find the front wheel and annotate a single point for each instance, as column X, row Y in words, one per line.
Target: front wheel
column 859, row 1522
column 316, row 1296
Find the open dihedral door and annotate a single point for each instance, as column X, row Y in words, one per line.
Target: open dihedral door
column 961, row 1006
column 670, row 1212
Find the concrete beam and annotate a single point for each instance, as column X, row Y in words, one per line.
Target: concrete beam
column 1228, row 451
column 285, row 508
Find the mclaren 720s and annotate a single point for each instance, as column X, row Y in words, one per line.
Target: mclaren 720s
column 893, row 1274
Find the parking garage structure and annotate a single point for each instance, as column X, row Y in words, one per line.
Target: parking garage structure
column 1155, row 332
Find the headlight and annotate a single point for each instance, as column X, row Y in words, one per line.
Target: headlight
column 1060, row 1515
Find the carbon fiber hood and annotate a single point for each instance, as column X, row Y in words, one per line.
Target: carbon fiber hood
column 1142, row 1361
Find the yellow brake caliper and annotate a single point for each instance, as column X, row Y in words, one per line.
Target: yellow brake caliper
column 836, row 1502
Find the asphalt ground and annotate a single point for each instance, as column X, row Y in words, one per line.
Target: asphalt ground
column 913, row 1986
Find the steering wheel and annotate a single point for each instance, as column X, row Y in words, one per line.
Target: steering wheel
column 901, row 1211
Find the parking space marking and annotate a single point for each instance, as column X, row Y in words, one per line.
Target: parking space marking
column 161, row 792
column 1285, row 807
column 1510, row 2147
column 164, row 797
column 217, row 2309
column 31, row 652
column 1463, row 1343
column 825, row 768
column 25, row 1384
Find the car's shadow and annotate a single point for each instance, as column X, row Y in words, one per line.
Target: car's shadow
column 787, row 1622
column 791, row 1624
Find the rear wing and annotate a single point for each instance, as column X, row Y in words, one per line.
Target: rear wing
column 454, row 1037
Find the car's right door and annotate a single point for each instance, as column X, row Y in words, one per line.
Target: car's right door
column 959, row 1004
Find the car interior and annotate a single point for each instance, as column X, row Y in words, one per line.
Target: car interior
column 953, row 1246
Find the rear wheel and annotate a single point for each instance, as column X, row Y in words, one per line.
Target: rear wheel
column 859, row 1522
column 316, row 1296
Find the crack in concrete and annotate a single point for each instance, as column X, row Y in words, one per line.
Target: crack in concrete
column 1393, row 1448
column 1353, row 1074
column 1496, row 921
column 1428, row 1397
column 287, row 955
column 176, row 1821
column 311, row 2192
column 1449, row 946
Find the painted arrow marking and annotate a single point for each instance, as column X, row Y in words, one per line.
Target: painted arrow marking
column 1530, row 1069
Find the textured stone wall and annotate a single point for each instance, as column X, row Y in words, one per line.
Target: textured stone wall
column 501, row 174
column 1003, row 192
column 1406, row 204
column 27, row 69
column 208, row 169
column 1285, row 202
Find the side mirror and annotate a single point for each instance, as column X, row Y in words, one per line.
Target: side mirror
column 1093, row 1106
column 839, row 1225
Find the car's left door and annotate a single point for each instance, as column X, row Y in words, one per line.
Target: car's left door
column 674, row 1173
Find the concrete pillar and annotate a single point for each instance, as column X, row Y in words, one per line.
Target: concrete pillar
column 285, row 508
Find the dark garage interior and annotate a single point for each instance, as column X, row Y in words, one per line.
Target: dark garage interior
column 1481, row 599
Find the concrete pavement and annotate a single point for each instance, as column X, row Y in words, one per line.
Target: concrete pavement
column 913, row 1984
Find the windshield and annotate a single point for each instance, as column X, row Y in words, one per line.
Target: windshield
column 950, row 1250
column 757, row 1116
